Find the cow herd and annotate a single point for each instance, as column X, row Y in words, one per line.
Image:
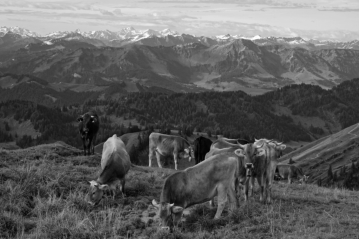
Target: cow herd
column 222, row 168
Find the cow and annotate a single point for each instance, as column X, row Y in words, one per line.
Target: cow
column 265, row 164
column 248, row 150
column 168, row 145
column 89, row 125
column 200, row 183
column 201, row 145
column 287, row 171
column 115, row 164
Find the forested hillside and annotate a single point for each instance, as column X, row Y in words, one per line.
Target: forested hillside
column 292, row 113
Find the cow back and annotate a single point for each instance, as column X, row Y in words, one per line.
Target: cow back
column 167, row 144
column 115, row 161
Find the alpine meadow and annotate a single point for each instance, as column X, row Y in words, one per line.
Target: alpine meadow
column 246, row 125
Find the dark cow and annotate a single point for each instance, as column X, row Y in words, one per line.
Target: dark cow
column 290, row 172
column 115, row 164
column 89, row 125
column 200, row 183
column 168, row 145
column 201, row 145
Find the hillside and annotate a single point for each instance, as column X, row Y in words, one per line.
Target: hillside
column 44, row 190
column 337, row 150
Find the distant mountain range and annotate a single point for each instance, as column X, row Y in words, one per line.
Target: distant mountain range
column 177, row 62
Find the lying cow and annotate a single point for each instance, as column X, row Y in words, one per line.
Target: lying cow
column 89, row 125
column 115, row 163
column 264, row 166
column 201, row 145
column 200, row 183
column 290, row 172
column 168, row 145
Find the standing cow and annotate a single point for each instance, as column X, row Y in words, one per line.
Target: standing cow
column 201, row 146
column 265, row 164
column 249, row 151
column 168, row 145
column 290, row 172
column 89, row 125
column 115, row 164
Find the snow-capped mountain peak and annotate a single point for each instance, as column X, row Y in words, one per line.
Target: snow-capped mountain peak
column 20, row 31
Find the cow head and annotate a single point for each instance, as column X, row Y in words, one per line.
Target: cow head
column 169, row 214
column 247, row 163
column 96, row 192
column 269, row 148
column 188, row 153
column 85, row 121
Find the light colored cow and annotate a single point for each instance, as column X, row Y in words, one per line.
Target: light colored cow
column 168, row 145
column 200, row 183
column 265, row 164
column 290, row 172
column 115, row 164
column 249, row 153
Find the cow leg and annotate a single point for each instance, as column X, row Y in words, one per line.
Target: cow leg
column 84, row 145
column 158, row 156
column 175, row 158
column 122, row 187
column 222, row 199
column 93, row 144
column 252, row 186
column 151, row 155
column 261, row 186
column 245, row 189
column 89, row 146
column 233, row 200
column 211, row 203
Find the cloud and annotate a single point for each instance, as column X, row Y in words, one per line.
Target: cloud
column 339, row 9
column 117, row 12
column 107, row 13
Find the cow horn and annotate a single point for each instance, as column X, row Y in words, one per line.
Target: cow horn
column 154, row 203
column 241, row 145
column 255, row 140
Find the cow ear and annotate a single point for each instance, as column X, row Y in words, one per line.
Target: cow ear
column 176, row 209
column 103, row 186
column 239, row 152
column 261, row 152
column 93, row 183
column 80, row 119
column 281, row 147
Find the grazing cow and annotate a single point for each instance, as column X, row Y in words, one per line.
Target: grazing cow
column 168, row 145
column 265, row 164
column 89, row 125
column 201, row 146
column 200, row 183
column 287, row 171
column 115, row 163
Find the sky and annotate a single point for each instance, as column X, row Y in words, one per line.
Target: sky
column 320, row 19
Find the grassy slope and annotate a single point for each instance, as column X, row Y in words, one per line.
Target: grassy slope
column 43, row 188
column 337, row 149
